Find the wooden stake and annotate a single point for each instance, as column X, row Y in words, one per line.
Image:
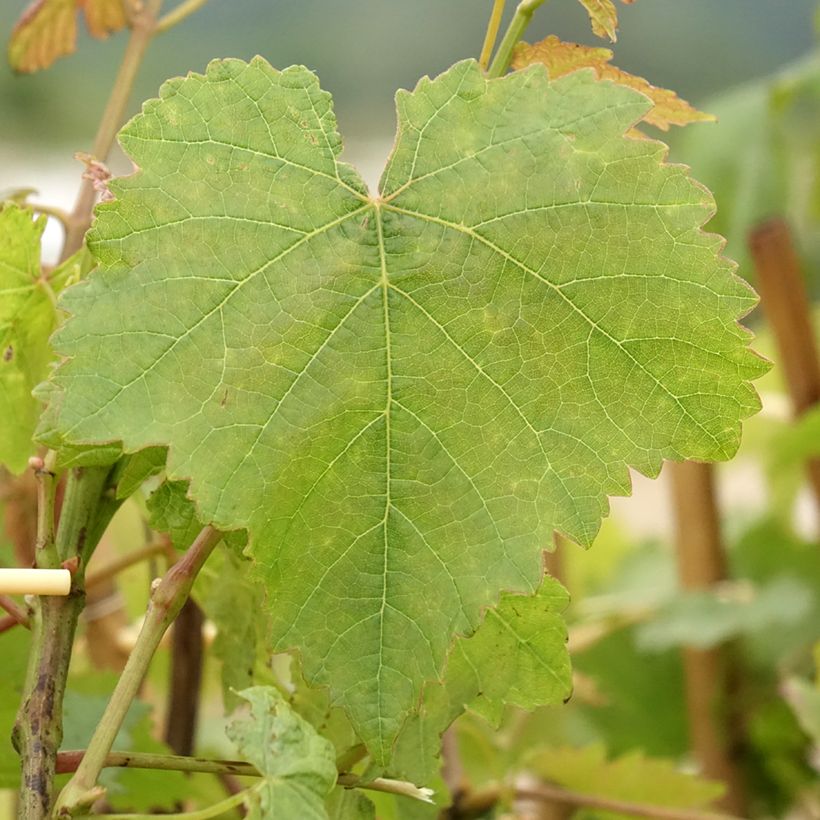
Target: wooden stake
column 788, row 310
column 708, row 672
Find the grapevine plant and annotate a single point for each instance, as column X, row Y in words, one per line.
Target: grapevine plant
column 376, row 406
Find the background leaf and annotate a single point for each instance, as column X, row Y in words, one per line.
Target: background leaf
column 562, row 58
column 47, row 29
column 630, row 777
column 27, row 318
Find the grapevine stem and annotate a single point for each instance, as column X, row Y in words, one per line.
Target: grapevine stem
column 167, row 598
column 63, row 217
column 556, row 794
column 492, row 33
column 45, row 549
column 143, row 27
column 114, row 568
column 69, row 761
column 38, row 731
column 15, row 610
column 518, row 25
column 216, row 810
column 178, row 14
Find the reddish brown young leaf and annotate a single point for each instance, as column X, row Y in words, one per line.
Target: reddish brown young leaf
column 603, row 16
column 562, row 58
column 47, row 30
column 103, row 17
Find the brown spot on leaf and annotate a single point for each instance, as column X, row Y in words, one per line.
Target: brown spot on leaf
column 8, row 354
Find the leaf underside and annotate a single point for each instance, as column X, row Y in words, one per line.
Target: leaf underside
column 401, row 396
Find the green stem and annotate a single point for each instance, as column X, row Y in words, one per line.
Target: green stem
column 38, row 730
column 143, row 27
column 174, row 17
column 492, row 33
column 518, row 25
column 70, row 761
column 63, row 217
column 167, row 598
column 45, row 549
column 215, row 810
column 15, row 611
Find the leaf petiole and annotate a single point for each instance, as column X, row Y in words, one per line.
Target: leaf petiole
column 518, row 25
column 174, row 17
column 492, row 33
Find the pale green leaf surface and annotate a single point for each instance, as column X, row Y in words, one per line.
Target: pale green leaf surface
column 631, row 777
column 27, row 318
column 297, row 765
column 401, row 397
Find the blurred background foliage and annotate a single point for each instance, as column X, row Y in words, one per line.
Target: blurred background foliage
column 753, row 63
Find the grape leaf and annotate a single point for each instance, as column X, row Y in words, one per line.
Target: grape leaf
column 562, row 58
column 297, row 765
column 170, row 511
column 517, row 656
column 47, row 30
column 630, row 777
column 27, row 318
column 401, row 396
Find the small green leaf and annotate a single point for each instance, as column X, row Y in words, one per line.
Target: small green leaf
column 517, row 656
column 298, row 765
column 136, row 468
column 401, row 396
column 171, row 511
column 28, row 298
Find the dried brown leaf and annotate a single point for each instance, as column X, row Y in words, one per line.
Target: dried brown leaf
column 562, row 58
column 47, row 30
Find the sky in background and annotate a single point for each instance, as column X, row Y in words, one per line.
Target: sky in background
column 363, row 51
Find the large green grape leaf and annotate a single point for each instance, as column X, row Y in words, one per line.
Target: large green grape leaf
column 402, row 395
column 297, row 765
